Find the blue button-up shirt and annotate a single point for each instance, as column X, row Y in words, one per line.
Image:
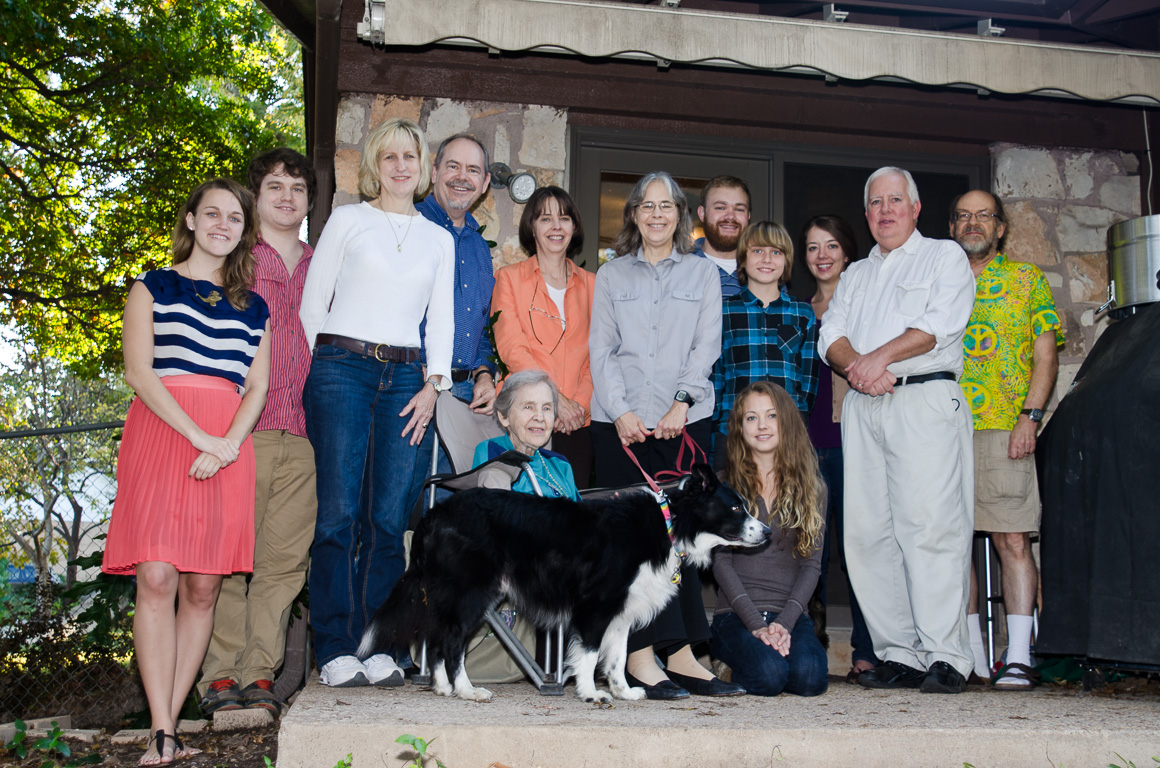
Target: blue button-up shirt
column 729, row 284
column 474, row 281
column 778, row 343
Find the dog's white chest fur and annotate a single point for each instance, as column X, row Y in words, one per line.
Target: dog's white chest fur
column 651, row 590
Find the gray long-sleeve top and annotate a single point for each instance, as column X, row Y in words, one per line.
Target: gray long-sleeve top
column 655, row 331
column 769, row 578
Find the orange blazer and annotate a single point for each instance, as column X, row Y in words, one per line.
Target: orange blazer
column 528, row 333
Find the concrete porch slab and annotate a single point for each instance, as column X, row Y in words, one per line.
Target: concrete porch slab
column 846, row 726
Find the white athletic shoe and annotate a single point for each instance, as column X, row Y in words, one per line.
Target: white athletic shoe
column 382, row 670
column 343, row 672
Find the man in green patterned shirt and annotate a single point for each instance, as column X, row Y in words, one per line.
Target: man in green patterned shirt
column 1010, row 364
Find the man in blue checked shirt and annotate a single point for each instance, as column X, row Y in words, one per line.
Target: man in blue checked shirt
column 766, row 335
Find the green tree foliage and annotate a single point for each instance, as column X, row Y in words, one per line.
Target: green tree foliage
column 111, row 111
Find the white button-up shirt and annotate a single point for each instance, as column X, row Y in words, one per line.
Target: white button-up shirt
column 923, row 284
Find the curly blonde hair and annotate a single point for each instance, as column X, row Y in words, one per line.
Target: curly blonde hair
column 800, row 504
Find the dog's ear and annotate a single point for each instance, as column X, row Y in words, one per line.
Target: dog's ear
column 700, row 480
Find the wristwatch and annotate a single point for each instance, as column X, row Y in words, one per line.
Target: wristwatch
column 684, row 397
column 1035, row 414
column 440, row 383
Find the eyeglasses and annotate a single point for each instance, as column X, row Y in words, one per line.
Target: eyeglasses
column 536, row 312
column 982, row 216
column 666, row 206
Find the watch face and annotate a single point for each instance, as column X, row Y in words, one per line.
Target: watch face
column 521, row 187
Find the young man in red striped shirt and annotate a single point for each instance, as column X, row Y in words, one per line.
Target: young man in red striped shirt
column 252, row 613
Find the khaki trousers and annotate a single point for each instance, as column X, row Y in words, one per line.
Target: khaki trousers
column 249, row 631
column 909, row 496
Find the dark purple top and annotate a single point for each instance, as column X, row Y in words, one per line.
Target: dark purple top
column 824, row 431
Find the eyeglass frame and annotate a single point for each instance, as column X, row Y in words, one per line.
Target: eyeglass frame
column 983, row 217
column 648, row 206
column 533, row 308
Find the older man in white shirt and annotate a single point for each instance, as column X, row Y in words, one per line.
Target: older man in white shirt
column 895, row 327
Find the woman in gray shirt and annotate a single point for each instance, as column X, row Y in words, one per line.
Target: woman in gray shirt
column 760, row 627
column 655, row 334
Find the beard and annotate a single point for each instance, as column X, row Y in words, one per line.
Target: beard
column 719, row 242
column 978, row 247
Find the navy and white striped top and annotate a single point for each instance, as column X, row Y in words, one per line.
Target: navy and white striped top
column 195, row 331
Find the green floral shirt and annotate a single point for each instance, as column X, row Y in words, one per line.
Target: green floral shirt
column 1013, row 306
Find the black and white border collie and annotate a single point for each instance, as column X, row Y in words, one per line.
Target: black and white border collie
column 604, row 567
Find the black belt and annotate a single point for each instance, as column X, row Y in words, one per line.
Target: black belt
column 460, row 374
column 925, row 377
column 384, row 353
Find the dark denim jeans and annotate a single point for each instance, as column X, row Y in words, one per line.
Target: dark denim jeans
column 364, row 468
column 761, row 670
column 830, row 464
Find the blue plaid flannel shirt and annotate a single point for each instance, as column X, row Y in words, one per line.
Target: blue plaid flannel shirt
column 778, row 343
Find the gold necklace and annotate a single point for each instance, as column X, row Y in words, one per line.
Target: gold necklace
column 214, row 296
column 391, row 224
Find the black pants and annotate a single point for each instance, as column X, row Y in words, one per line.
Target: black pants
column 682, row 621
column 577, row 449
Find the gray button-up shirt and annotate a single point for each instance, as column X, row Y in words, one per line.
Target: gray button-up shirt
column 655, row 330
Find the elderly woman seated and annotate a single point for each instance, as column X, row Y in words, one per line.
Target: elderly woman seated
column 526, row 409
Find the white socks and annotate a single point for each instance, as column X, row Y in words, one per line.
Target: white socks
column 977, row 650
column 1018, row 639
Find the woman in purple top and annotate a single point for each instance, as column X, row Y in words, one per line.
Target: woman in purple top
column 761, row 628
column 828, row 244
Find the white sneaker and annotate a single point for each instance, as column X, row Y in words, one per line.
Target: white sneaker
column 343, row 672
column 382, row 670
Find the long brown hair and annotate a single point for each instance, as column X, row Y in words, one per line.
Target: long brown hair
column 237, row 273
column 800, row 503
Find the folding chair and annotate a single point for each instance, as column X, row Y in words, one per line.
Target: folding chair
column 459, row 430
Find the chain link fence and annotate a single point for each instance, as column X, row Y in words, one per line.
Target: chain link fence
column 65, row 628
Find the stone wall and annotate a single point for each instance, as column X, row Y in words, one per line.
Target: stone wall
column 526, row 137
column 1060, row 203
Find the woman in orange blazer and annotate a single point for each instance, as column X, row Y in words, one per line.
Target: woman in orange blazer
column 545, row 304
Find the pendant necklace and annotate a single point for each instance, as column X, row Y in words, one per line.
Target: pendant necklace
column 214, row 296
column 391, row 224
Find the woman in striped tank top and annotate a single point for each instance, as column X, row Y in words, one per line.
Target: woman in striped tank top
column 197, row 354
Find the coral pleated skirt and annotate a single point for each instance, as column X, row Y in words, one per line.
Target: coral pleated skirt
column 161, row 513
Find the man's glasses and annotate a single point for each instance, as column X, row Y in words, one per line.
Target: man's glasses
column 666, row 206
column 982, row 216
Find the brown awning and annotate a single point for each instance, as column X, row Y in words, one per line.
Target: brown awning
column 837, row 50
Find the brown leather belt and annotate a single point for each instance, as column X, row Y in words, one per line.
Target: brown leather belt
column 384, row 353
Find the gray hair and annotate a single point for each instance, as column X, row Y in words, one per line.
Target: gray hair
column 629, row 239
column 443, row 147
column 911, row 187
column 513, row 383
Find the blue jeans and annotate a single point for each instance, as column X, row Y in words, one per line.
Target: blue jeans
column 830, row 464
column 761, row 670
column 364, row 468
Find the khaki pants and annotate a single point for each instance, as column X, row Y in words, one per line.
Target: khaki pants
column 249, row 632
column 909, row 504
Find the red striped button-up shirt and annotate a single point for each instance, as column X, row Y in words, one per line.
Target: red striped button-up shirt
column 289, row 351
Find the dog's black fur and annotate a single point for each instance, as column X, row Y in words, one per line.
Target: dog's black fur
column 604, row 567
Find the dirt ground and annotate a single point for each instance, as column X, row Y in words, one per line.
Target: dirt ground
column 220, row 749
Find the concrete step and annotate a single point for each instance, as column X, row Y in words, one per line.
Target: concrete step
column 846, row 726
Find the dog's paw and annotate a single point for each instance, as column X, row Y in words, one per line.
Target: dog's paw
column 475, row 694
column 443, row 690
column 633, row 694
column 598, row 697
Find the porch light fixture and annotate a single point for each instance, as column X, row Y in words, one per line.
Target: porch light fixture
column 519, row 185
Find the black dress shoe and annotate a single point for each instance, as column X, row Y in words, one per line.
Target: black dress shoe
column 891, row 674
column 699, row 687
column 664, row 690
column 943, row 678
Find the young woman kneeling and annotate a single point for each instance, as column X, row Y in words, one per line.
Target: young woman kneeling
column 760, row 627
